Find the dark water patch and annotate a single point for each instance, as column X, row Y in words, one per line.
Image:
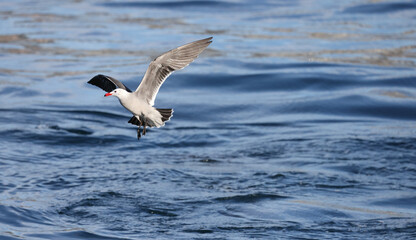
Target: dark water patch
column 160, row 212
column 18, row 110
column 78, row 131
column 174, row 174
column 3, row 237
column 209, row 160
column 75, row 234
column 70, row 113
column 401, row 143
column 251, row 228
column 20, row 217
column 113, row 210
column 56, row 183
column 260, row 174
column 94, row 121
column 282, row 16
column 385, row 144
column 266, row 82
column 19, row 92
column 213, row 112
column 48, row 138
column 191, row 140
column 9, row 217
column 283, row 66
column 277, row 176
column 352, row 169
column 59, row 94
column 85, row 207
column 231, row 213
column 215, row 6
column 188, row 128
column 110, row 194
column 250, row 198
column 75, row 210
column 298, row 140
column 265, row 152
column 4, row 187
column 288, row 82
column 334, row 186
column 381, row 7
column 334, row 213
column 336, row 121
column 265, row 124
column 199, row 231
column 400, row 202
column 175, row 4
column 375, row 228
column 89, row 113
column 354, row 105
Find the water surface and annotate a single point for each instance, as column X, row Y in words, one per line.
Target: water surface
column 296, row 123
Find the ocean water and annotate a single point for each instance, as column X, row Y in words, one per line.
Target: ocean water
column 298, row 121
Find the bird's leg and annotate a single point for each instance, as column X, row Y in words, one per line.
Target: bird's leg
column 138, row 133
column 144, row 129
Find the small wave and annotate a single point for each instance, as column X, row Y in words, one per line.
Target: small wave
column 72, row 139
column 353, row 105
column 159, row 211
column 282, row 66
column 56, row 183
column 19, row 92
column 183, row 139
column 174, row 4
column 86, row 112
column 277, row 176
column 67, row 112
column 334, row 186
column 400, row 202
column 199, row 231
column 76, row 234
column 283, row 82
column 209, row 160
column 20, row 217
column 78, row 131
column 381, row 7
column 250, row 198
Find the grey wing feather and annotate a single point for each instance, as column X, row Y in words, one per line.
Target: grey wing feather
column 107, row 83
column 160, row 68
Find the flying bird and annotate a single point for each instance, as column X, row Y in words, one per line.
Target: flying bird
column 140, row 102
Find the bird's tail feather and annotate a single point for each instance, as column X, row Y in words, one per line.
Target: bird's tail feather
column 166, row 113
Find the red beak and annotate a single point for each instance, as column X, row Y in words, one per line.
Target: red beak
column 107, row 94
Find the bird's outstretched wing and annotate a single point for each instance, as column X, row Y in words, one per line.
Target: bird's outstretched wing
column 107, row 83
column 160, row 68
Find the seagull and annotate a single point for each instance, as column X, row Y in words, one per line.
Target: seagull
column 140, row 102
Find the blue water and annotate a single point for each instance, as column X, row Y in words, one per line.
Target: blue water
column 298, row 121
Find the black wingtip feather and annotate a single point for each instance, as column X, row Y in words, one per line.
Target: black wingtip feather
column 107, row 83
column 102, row 82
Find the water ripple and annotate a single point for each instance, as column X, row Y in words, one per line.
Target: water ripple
column 296, row 123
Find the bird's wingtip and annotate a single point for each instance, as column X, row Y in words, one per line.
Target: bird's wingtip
column 94, row 78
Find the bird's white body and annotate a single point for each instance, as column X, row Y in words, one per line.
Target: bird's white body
column 138, row 107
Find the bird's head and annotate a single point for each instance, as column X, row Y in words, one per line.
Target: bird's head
column 118, row 92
